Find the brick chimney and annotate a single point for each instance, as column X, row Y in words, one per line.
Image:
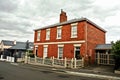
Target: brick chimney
column 63, row 16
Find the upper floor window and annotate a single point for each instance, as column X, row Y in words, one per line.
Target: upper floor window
column 38, row 35
column 74, row 30
column 47, row 34
column 59, row 31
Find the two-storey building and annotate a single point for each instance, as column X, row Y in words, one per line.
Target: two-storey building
column 74, row 38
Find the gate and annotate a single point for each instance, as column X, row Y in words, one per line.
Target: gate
column 104, row 59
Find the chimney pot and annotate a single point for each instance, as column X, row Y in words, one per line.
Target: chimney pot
column 63, row 16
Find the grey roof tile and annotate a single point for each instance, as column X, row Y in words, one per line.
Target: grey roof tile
column 7, row 42
column 103, row 46
column 18, row 45
column 71, row 21
column 22, row 46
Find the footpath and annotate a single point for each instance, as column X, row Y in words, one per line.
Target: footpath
column 103, row 72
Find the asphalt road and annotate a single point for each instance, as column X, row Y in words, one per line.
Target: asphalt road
column 13, row 71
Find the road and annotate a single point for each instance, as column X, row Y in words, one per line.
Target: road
column 13, row 71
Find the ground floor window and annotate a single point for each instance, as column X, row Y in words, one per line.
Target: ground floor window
column 45, row 52
column 60, row 52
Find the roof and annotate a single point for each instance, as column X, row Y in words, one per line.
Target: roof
column 103, row 46
column 7, row 42
column 72, row 21
column 18, row 45
column 22, row 46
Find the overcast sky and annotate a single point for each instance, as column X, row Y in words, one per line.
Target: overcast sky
column 19, row 18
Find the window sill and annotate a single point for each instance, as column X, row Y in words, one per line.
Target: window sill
column 73, row 36
column 47, row 39
column 58, row 38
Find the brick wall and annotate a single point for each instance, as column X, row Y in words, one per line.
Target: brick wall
column 52, row 50
column 95, row 36
column 66, row 34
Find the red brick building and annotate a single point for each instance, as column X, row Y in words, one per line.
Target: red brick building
column 74, row 38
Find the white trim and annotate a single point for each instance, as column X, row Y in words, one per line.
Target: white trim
column 58, row 38
column 36, row 46
column 64, row 42
column 45, row 46
column 48, row 29
column 60, row 45
column 73, row 36
column 59, row 27
column 74, row 24
column 75, row 45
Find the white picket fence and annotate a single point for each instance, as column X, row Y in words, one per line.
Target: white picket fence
column 104, row 59
column 66, row 63
column 8, row 59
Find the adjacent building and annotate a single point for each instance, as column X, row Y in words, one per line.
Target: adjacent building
column 10, row 48
column 74, row 38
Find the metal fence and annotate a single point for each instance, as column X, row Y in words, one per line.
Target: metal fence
column 69, row 63
column 104, row 59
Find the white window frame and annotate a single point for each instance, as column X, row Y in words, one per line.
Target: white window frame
column 76, row 45
column 47, row 34
column 59, row 33
column 45, row 51
column 38, row 35
column 74, row 30
column 60, row 46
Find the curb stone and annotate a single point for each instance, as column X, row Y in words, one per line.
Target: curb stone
column 93, row 75
column 87, row 74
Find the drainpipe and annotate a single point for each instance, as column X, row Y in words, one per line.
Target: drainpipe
column 86, row 33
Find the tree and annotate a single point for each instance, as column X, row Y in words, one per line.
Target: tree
column 116, row 52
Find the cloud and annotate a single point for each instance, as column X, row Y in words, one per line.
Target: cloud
column 19, row 18
column 7, row 5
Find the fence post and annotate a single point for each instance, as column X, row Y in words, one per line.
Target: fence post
column 108, row 58
column 26, row 57
column 29, row 59
column 43, row 60
column 53, row 61
column 1, row 57
column 98, row 58
column 83, row 62
column 35, row 59
column 71, row 63
column 65, row 62
column 75, row 63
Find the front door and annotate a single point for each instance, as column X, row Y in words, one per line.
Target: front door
column 77, row 53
